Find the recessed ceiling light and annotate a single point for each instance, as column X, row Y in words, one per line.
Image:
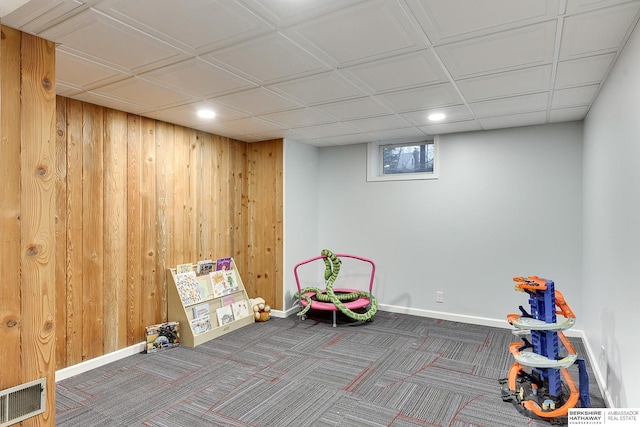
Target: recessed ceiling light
column 206, row 114
column 436, row 117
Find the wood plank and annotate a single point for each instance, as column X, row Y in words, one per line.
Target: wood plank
column 150, row 306
column 74, row 249
column 37, row 200
column 191, row 203
column 135, row 327
column 165, row 202
column 265, row 161
column 115, row 222
column 61, row 232
column 206, row 185
column 10, row 315
column 93, row 231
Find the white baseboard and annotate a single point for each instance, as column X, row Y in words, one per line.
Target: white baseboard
column 600, row 376
column 90, row 364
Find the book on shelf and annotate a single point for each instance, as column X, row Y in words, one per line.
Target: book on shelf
column 201, row 310
column 162, row 336
column 188, row 288
column 223, row 263
column 223, row 282
column 201, row 324
column 240, row 309
column 204, row 267
column 225, row 315
column 228, row 300
column 205, row 286
column 184, row 268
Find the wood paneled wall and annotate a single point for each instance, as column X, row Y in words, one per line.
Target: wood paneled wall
column 27, row 214
column 96, row 203
column 137, row 196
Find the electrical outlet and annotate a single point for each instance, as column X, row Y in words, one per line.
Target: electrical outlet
column 439, row 296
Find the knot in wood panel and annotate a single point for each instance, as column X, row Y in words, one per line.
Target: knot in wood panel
column 41, row 170
column 46, row 83
column 33, row 250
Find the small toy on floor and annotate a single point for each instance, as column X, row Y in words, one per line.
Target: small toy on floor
column 261, row 310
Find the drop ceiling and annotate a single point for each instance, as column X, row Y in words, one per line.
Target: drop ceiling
column 335, row 72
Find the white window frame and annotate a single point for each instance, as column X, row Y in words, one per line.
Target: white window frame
column 374, row 163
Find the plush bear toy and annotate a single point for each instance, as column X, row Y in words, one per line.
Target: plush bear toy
column 261, row 310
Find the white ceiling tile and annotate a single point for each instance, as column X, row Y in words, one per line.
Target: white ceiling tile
column 187, row 114
column 318, row 89
column 9, row 6
column 456, row 113
column 578, row 6
column 423, row 98
column 500, row 85
column 578, row 72
column 512, row 105
column 523, row 47
column 282, row 133
column 354, row 108
column 568, row 114
column 582, row 95
column 138, row 91
column 196, row 26
column 363, row 32
column 585, row 34
column 299, row 118
column 376, row 124
column 250, row 125
column 280, row 59
column 256, row 101
column 443, row 128
column 36, row 16
column 410, row 134
column 444, row 20
column 413, row 69
column 515, row 120
column 83, row 74
column 199, row 78
column 101, row 39
column 328, row 130
column 287, row 12
column 105, row 101
column 63, row 89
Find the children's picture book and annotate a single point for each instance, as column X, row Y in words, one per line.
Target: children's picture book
column 240, row 309
column 228, row 300
column 201, row 324
column 201, row 310
column 205, row 287
column 230, row 278
column 184, row 268
column 223, row 282
column 225, row 315
column 223, row 263
column 162, row 336
column 188, row 288
column 204, row 267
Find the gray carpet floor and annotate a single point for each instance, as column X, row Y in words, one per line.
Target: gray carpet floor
column 399, row 370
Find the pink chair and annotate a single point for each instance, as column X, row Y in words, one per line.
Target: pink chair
column 359, row 303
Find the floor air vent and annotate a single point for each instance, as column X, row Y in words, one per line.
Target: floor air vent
column 22, row 402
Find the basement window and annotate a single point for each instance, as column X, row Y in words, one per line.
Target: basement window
column 402, row 162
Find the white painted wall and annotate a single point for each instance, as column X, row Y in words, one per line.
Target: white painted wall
column 612, row 227
column 507, row 203
column 301, row 168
